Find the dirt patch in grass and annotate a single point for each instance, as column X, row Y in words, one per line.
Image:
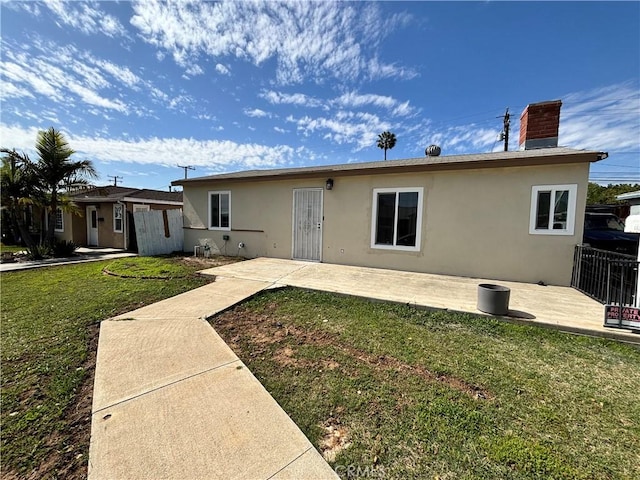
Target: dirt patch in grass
column 264, row 329
column 202, row 263
column 335, row 439
column 159, row 268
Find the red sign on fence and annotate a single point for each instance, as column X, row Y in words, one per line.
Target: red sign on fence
column 622, row 317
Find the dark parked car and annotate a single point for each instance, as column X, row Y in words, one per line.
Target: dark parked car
column 606, row 232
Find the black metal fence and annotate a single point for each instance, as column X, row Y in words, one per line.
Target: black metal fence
column 607, row 277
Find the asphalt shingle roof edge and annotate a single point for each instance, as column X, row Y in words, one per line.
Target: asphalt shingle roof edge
column 558, row 155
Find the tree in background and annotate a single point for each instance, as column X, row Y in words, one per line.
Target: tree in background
column 55, row 168
column 18, row 186
column 42, row 183
column 601, row 195
column 386, row 141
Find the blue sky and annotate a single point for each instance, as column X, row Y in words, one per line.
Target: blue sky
column 142, row 87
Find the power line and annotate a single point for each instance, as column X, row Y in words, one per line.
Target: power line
column 115, row 179
column 186, row 167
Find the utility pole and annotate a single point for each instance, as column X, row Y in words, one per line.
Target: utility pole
column 506, row 123
column 115, row 179
column 186, row 167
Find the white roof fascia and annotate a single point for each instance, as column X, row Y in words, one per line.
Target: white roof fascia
column 148, row 200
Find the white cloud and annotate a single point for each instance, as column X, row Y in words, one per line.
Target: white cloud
column 9, row 90
column 360, row 129
column 356, row 100
column 29, row 7
column 122, row 74
column 298, row 99
column 308, row 40
column 55, row 74
column 256, row 113
column 215, row 155
column 222, row 69
column 377, row 69
column 64, row 74
column 86, row 17
column 194, row 69
column 606, row 118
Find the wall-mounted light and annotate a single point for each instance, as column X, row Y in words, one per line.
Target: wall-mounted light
column 330, row 184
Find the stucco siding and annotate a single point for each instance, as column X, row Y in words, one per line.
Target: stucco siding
column 474, row 222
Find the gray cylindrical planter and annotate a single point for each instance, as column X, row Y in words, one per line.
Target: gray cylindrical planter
column 493, row 299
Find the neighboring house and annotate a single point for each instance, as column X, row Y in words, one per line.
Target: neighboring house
column 503, row 215
column 105, row 218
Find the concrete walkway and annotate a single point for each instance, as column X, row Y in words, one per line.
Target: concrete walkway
column 83, row 254
column 171, row 400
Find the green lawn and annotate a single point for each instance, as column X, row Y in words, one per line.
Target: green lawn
column 401, row 393
column 48, row 333
column 11, row 248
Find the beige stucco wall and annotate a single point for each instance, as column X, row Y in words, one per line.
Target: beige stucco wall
column 106, row 236
column 66, row 235
column 475, row 222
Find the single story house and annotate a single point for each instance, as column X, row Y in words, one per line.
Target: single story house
column 105, row 217
column 502, row 215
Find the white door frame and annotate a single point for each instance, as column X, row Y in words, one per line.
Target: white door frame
column 92, row 208
column 320, row 224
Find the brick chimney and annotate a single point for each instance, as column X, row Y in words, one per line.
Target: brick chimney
column 539, row 125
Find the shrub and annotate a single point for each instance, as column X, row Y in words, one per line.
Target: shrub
column 38, row 251
column 63, row 248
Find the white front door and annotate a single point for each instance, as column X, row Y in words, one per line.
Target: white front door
column 307, row 224
column 92, row 227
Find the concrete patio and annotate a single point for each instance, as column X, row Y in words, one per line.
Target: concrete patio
column 563, row 308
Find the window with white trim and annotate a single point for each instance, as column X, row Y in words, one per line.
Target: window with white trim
column 59, row 227
column 397, row 218
column 220, row 210
column 117, row 217
column 553, row 209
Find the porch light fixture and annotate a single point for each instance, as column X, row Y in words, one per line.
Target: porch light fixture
column 330, row 184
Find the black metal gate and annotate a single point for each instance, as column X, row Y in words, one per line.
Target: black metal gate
column 608, row 277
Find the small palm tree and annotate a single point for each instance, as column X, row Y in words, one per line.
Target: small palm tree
column 386, row 141
column 55, row 168
column 17, row 185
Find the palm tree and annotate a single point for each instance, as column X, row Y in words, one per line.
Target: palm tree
column 17, row 184
column 55, row 168
column 386, row 141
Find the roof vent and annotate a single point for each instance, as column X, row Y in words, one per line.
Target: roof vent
column 432, row 151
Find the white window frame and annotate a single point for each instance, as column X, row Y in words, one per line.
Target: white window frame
column 61, row 229
column 217, row 192
column 374, row 218
column 121, row 207
column 571, row 209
